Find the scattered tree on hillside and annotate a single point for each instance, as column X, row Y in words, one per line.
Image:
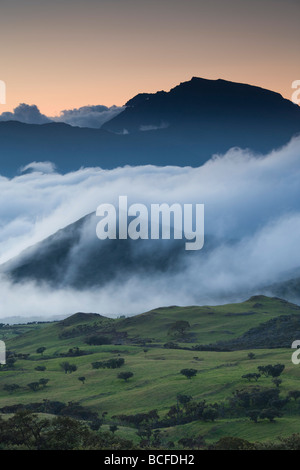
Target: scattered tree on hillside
column 250, row 377
column 11, row 387
column 179, row 327
column 114, row 363
column 34, row 386
column 41, row 350
column 295, row 394
column 189, row 373
column 251, row 355
column 270, row 414
column 183, row 399
column 113, row 428
column 125, row 375
column 254, row 415
column 43, row 382
column 277, row 382
column 273, row 371
column 68, row 368
column 232, row 443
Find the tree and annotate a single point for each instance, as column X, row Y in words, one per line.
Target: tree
column 40, row 368
column 179, row 327
column 10, row 363
column 254, row 415
column 277, row 382
column 114, row 363
column 209, row 414
column 68, row 368
column 125, row 375
column 295, row 394
column 82, row 379
column 41, row 350
column 277, row 370
column 251, row 356
column 34, row 386
column 43, row 382
column 186, row 442
column 95, row 340
column 192, row 443
column 96, row 424
column 183, row 399
column 250, row 377
column 11, row 387
column 189, row 373
column 26, row 430
column 270, row 414
column 273, row 371
column 113, row 428
column 233, row 443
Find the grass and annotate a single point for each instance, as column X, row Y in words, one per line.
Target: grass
column 157, row 379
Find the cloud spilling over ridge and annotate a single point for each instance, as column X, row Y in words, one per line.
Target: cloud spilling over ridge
column 86, row 116
column 252, row 214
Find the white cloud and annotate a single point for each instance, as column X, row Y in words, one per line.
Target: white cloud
column 28, row 114
column 39, row 167
column 252, row 220
column 86, row 116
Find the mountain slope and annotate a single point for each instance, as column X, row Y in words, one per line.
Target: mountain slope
column 74, row 256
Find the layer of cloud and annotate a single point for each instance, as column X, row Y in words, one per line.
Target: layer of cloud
column 86, row 116
column 28, row 114
column 252, row 227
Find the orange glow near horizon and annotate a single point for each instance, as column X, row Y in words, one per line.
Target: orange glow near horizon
column 63, row 55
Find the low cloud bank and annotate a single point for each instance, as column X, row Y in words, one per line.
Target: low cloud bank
column 252, row 229
column 86, row 116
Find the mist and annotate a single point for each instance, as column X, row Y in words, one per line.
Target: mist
column 252, row 232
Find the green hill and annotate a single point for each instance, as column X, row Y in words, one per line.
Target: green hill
column 155, row 346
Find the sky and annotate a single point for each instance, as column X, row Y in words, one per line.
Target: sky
column 67, row 54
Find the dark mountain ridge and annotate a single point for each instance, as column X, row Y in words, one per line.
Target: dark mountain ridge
column 184, row 126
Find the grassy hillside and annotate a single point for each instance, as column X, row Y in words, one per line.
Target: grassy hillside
column 157, row 380
column 208, row 324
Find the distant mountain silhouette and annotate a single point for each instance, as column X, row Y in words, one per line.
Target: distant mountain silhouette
column 212, row 106
column 185, row 126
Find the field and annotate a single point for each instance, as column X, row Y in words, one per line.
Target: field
column 156, row 380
